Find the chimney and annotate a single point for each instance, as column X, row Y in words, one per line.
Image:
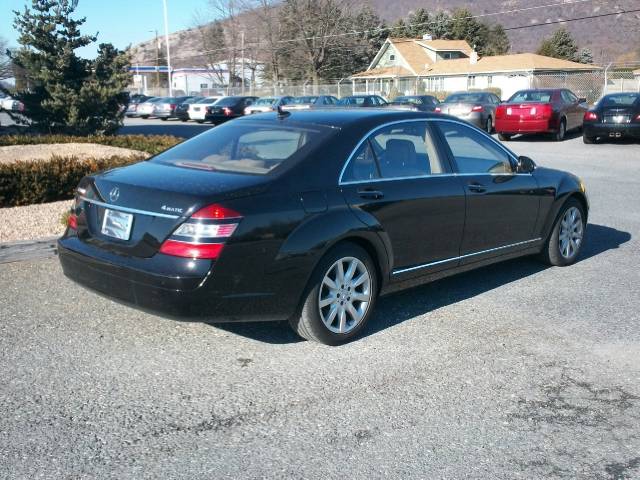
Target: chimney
column 427, row 36
column 473, row 58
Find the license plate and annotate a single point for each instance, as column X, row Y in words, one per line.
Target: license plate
column 117, row 224
column 196, row 109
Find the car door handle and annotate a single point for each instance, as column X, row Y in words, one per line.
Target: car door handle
column 369, row 193
column 477, row 188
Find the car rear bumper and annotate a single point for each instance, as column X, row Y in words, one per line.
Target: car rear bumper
column 475, row 118
column 612, row 130
column 522, row 126
column 174, row 296
column 215, row 118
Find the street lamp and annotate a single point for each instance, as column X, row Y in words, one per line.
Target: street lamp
column 166, row 37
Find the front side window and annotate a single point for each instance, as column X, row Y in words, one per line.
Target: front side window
column 473, row 152
column 397, row 151
column 255, row 148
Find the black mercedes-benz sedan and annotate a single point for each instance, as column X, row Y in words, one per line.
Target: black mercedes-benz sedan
column 309, row 216
column 614, row 116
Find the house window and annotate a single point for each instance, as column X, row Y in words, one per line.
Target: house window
column 204, row 85
column 392, row 57
column 446, row 55
column 471, row 81
column 489, row 80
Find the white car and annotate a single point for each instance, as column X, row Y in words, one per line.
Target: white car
column 198, row 110
column 11, row 104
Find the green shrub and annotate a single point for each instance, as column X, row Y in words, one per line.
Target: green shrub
column 36, row 181
column 152, row 144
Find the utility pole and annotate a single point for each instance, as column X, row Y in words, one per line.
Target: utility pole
column 242, row 53
column 166, row 38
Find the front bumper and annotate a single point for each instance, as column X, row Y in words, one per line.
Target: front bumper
column 612, row 130
column 155, row 290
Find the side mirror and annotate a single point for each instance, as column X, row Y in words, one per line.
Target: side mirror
column 525, row 165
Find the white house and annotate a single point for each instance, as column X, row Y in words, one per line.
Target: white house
column 411, row 64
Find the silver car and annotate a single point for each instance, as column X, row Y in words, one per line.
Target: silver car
column 267, row 104
column 478, row 108
column 145, row 109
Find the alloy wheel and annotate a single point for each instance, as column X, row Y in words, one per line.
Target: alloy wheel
column 345, row 295
column 571, row 233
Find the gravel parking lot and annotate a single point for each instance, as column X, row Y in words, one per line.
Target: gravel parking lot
column 512, row 371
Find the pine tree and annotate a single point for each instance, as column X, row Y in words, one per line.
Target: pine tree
column 64, row 93
column 465, row 27
column 497, row 41
column 560, row 45
column 585, row 56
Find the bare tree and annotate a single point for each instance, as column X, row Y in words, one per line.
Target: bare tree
column 6, row 67
column 229, row 11
column 212, row 47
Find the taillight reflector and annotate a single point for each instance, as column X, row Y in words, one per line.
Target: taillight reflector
column 477, row 108
column 215, row 212
column 177, row 248
column 591, row 116
column 227, row 111
column 437, row 110
column 204, row 230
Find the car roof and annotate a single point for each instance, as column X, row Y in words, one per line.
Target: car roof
column 343, row 117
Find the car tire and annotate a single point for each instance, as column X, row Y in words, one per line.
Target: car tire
column 567, row 236
column 164, row 119
column 489, row 125
column 504, row 137
column 199, row 121
column 183, row 119
column 144, row 116
column 588, row 140
column 327, row 306
column 562, row 131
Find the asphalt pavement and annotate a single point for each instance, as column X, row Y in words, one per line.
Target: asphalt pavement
column 512, row 371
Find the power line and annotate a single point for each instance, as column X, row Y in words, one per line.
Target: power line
column 391, row 28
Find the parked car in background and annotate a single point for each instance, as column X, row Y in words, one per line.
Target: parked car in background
column 182, row 109
column 552, row 111
column 267, row 104
column 312, row 101
column 309, row 216
column 477, row 108
column 228, row 108
column 198, row 110
column 134, row 102
column 11, row 104
column 616, row 115
column 362, row 101
column 420, row 103
column 146, row 108
column 165, row 109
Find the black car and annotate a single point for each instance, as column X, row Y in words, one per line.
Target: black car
column 308, row 216
column 181, row 111
column 615, row 116
column 421, row 103
column 227, row 108
column 362, row 101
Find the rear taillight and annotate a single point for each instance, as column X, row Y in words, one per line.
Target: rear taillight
column 477, row 108
column 72, row 221
column 437, row 110
column 172, row 106
column 500, row 110
column 546, row 110
column 638, row 118
column 204, row 234
column 591, row 116
column 227, row 111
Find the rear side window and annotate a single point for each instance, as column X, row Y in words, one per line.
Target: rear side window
column 398, row 151
column 255, row 148
column 473, row 152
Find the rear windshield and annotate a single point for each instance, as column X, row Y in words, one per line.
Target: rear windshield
column 208, row 100
column 265, row 101
column 299, row 100
column 465, row 98
column 413, row 100
column 227, row 101
column 532, row 96
column 620, row 99
column 247, row 147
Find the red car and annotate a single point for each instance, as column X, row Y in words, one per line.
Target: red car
column 553, row 111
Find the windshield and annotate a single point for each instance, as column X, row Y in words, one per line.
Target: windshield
column 465, row 98
column 208, row 100
column 247, row 147
column 193, row 100
column 352, row 101
column 620, row 99
column 265, row 101
column 300, row 100
column 412, row 100
column 531, row 96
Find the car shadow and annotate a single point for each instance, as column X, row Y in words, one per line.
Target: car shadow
column 398, row 307
column 176, row 129
column 543, row 137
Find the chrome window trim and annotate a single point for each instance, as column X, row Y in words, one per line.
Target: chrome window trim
column 453, row 259
column 126, row 209
column 509, row 153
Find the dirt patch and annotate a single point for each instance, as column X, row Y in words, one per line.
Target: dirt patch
column 16, row 153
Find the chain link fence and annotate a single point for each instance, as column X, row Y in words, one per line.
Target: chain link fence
column 590, row 85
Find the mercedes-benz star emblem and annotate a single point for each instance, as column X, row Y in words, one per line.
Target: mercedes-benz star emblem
column 114, row 194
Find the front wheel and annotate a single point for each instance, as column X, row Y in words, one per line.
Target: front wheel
column 340, row 297
column 566, row 239
column 562, row 131
column 489, row 125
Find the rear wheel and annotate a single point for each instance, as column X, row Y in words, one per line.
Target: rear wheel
column 562, row 131
column 504, row 137
column 340, row 297
column 489, row 125
column 164, row 119
column 588, row 140
column 200, row 121
column 566, row 239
